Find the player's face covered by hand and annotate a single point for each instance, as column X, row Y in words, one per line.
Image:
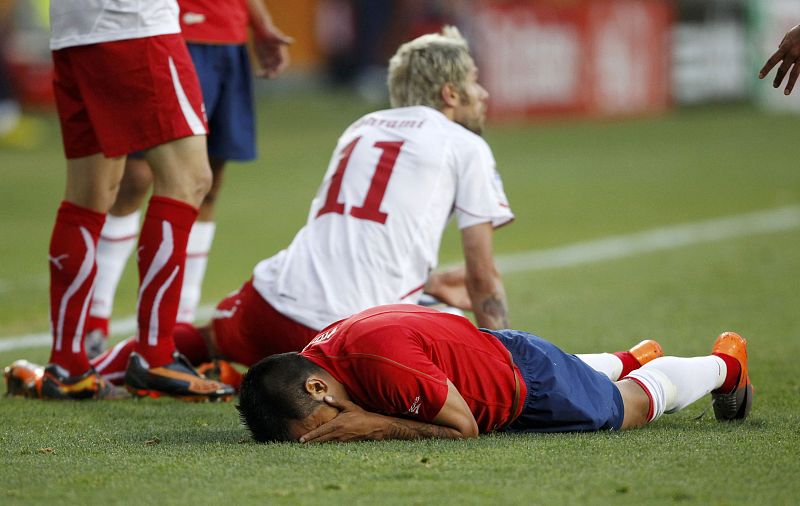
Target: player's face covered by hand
column 320, row 416
column 471, row 111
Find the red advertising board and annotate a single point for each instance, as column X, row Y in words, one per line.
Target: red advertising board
column 597, row 58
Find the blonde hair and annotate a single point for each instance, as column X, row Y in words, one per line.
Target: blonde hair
column 420, row 68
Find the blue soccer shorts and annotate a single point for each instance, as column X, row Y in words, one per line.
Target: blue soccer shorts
column 564, row 394
column 226, row 78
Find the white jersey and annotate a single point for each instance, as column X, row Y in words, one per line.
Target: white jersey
column 374, row 228
column 82, row 22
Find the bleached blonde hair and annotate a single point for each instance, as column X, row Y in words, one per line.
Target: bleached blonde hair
column 420, row 68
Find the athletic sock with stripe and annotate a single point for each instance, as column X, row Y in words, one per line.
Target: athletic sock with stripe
column 113, row 250
column 161, row 257
column 72, row 272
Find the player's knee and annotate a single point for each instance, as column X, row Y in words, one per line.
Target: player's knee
column 636, row 404
column 203, row 181
column 138, row 176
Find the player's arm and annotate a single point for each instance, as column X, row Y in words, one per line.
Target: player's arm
column 450, row 287
column 788, row 54
column 484, row 284
column 269, row 42
column 353, row 423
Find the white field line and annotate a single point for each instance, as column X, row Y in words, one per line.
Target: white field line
column 608, row 248
column 656, row 239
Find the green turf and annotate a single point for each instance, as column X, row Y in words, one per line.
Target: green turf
column 567, row 182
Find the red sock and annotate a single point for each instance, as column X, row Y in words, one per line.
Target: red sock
column 629, row 362
column 190, row 342
column 162, row 252
column 732, row 378
column 112, row 363
column 72, row 271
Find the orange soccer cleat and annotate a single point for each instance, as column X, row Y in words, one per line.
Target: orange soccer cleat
column 736, row 404
column 23, row 379
column 646, row 351
column 222, row 371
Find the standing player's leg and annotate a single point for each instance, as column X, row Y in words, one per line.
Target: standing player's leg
column 199, row 246
column 92, row 183
column 182, row 177
column 116, row 244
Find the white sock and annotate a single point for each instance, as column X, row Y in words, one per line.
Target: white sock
column 673, row 383
column 605, row 363
column 116, row 243
column 200, row 239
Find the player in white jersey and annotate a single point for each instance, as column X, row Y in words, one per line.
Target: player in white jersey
column 394, row 180
column 373, row 231
column 124, row 82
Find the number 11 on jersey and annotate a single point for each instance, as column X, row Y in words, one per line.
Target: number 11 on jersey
column 370, row 209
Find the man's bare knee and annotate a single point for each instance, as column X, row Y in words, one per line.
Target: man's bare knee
column 181, row 169
column 636, row 404
column 93, row 181
column 136, row 182
column 210, row 199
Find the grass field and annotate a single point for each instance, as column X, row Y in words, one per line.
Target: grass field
column 568, row 182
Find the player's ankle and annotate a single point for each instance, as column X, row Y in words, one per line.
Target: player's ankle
column 732, row 376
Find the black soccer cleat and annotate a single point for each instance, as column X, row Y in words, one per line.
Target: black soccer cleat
column 177, row 379
column 57, row 384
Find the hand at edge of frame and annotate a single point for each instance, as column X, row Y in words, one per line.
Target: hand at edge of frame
column 788, row 53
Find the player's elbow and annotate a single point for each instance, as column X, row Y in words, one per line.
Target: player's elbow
column 472, row 432
column 467, row 428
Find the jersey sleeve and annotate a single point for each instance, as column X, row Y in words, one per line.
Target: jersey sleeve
column 401, row 379
column 480, row 197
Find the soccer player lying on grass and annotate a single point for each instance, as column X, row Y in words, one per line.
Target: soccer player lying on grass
column 405, row 372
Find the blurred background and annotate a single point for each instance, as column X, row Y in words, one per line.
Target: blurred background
column 608, row 117
column 539, row 58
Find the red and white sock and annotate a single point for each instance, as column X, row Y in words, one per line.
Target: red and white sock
column 72, row 272
column 733, row 370
column 200, row 240
column 113, row 362
column 672, row 383
column 115, row 246
column 162, row 253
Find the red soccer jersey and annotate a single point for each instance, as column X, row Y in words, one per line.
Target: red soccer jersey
column 215, row 22
column 396, row 360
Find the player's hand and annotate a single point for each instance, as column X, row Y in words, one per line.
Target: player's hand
column 353, row 423
column 270, row 46
column 789, row 54
column 450, row 288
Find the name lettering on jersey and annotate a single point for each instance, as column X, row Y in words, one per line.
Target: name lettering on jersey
column 321, row 338
column 414, row 409
column 389, row 123
column 193, row 18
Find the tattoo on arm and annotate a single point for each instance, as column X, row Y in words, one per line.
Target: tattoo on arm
column 410, row 429
column 494, row 308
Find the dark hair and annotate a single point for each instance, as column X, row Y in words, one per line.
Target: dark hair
column 273, row 394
